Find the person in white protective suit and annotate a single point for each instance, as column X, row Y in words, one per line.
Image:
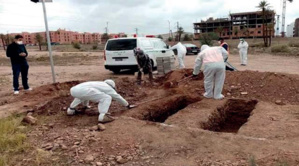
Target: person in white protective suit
column 181, row 49
column 214, row 70
column 243, row 48
column 101, row 92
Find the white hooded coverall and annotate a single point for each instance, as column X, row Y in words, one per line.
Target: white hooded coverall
column 243, row 47
column 181, row 53
column 96, row 91
column 214, row 70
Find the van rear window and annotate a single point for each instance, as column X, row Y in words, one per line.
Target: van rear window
column 123, row 44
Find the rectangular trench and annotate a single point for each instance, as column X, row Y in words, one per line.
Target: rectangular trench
column 231, row 116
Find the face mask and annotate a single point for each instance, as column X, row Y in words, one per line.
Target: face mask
column 20, row 42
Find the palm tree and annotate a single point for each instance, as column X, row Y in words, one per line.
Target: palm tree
column 180, row 32
column 264, row 5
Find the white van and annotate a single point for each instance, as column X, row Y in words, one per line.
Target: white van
column 119, row 54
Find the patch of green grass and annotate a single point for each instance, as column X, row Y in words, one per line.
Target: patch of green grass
column 12, row 138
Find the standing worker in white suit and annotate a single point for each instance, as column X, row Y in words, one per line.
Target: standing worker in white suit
column 243, row 49
column 214, row 70
column 181, row 53
column 101, row 92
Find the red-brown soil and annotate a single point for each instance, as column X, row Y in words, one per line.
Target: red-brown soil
column 173, row 125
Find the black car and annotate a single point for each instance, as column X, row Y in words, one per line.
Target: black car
column 192, row 49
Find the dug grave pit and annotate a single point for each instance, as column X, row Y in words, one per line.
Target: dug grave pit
column 231, row 116
column 160, row 110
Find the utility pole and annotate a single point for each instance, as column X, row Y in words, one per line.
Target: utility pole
column 169, row 28
column 177, row 32
column 283, row 18
column 277, row 29
column 136, row 29
column 107, row 27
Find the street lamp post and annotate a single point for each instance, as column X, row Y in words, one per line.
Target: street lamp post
column 48, row 36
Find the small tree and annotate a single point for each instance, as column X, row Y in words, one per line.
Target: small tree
column 3, row 38
column 236, row 31
column 160, row 36
column 39, row 39
column 245, row 31
column 170, row 39
column 187, row 37
column 220, row 30
column 207, row 38
column 105, row 37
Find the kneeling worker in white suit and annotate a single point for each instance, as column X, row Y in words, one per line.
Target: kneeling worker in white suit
column 214, row 70
column 101, row 92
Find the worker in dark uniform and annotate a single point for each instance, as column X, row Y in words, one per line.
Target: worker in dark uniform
column 144, row 65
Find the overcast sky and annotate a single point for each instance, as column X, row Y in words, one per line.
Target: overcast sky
column 149, row 16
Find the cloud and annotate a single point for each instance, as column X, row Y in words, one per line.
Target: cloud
column 150, row 17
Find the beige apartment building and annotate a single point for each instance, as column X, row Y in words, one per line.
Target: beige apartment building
column 60, row 36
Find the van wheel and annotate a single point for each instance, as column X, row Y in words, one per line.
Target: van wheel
column 116, row 71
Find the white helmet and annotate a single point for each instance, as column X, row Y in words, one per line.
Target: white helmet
column 110, row 82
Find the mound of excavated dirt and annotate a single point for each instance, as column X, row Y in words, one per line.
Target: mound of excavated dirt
column 263, row 86
column 52, row 90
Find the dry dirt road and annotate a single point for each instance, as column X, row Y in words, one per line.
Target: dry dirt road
column 93, row 68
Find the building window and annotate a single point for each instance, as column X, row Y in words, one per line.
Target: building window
column 259, row 32
column 259, row 26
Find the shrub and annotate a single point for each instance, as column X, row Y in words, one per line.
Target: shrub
column 258, row 45
column 293, row 44
column 76, row 45
column 94, row 47
column 170, row 39
column 280, row 49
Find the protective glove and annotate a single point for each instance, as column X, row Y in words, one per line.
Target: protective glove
column 131, row 106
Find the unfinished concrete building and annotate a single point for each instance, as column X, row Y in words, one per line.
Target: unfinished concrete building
column 245, row 25
column 296, row 28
